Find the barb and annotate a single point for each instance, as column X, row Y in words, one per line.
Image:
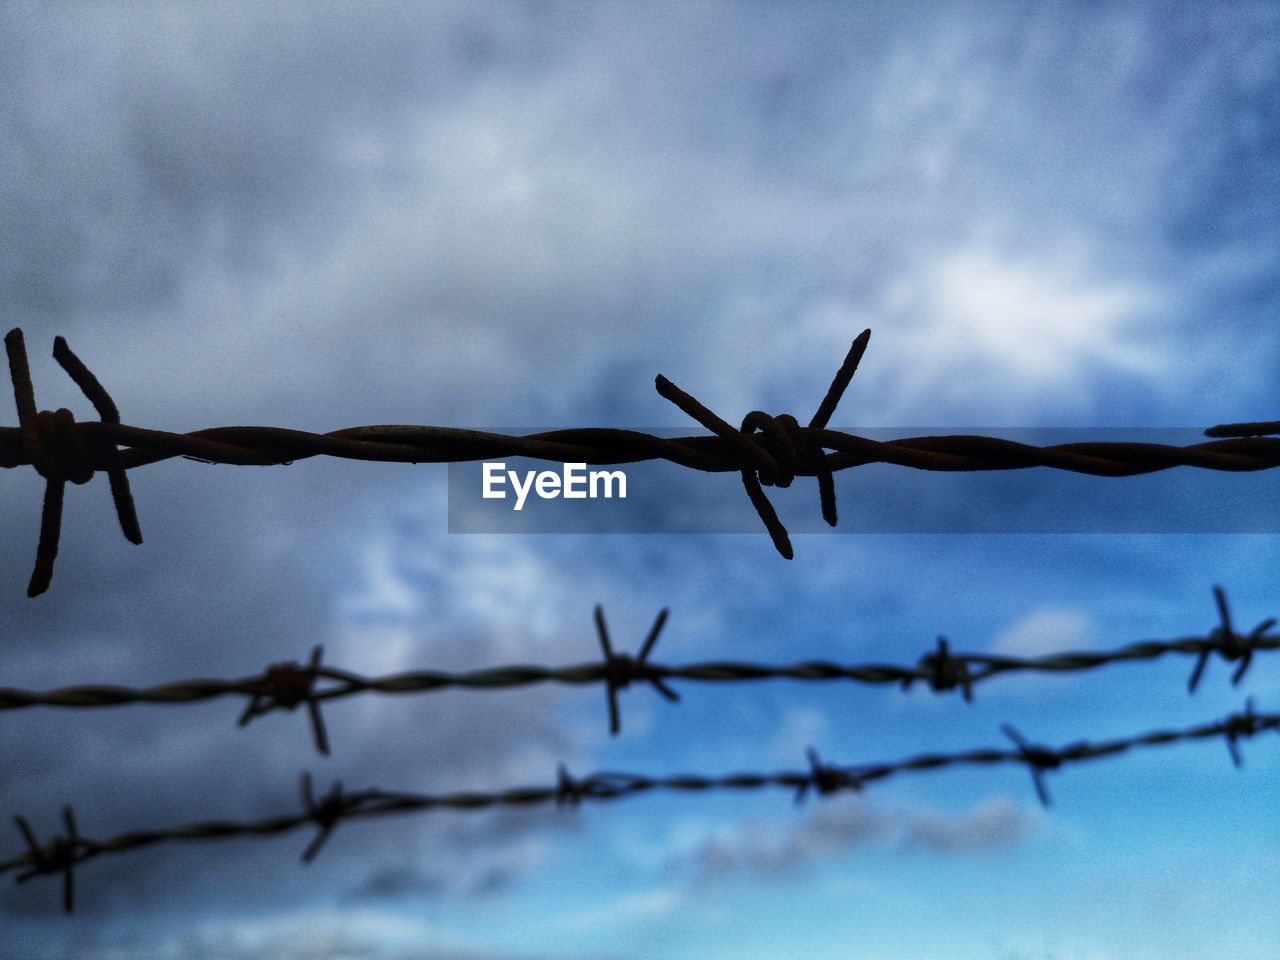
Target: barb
column 821, row 778
column 285, row 686
column 944, row 672
column 62, row 450
column 782, row 450
column 328, row 812
column 765, row 450
column 60, row 855
column 824, row 779
column 1238, row 726
column 1037, row 758
column 1231, row 645
column 568, row 790
column 620, row 669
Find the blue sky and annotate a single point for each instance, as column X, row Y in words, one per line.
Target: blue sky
column 327, row 215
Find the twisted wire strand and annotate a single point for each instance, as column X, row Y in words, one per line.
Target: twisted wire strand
column 64, row 852
column 286, row 686
column 765, row 450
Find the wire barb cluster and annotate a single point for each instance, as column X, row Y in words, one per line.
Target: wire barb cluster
column 1037, row 757
column 1230, row 645
column 66, row 851
column 825, row 779
column 327, row 813
column 286, row 686
column 782, row 451
column 60, row 855
column 63, row 450
column 943, row 672
column 620, row 668
column 765, row 450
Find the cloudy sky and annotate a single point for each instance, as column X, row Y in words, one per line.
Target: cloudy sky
column 325, row 215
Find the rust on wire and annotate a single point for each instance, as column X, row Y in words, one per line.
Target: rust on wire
column 824, row 779
column 765, row 450
column 783, row 451
column 63, row 450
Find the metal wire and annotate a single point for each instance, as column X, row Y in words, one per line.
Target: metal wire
column 765, row 450
column 286, row 686
column 64, row 852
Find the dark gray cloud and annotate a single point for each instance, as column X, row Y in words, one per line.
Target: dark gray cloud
column 147, row 766
column 143, row 138
column 450, row 207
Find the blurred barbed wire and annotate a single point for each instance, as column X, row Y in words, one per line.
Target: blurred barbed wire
column 67, row 850
column 288, row 685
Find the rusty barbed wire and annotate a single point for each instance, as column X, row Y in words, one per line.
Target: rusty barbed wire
column 765, row 450
column 286, row 686
column 61, row 449
column 65, row 851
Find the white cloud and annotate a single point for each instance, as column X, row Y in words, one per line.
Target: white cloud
column 328, row 933
column 635, row 907
column 974, row 324
column 800, row 729
column 1044, row 631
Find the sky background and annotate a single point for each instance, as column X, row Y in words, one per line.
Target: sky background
column 327, row 215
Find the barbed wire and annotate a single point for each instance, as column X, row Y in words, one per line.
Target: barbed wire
column 288, row 685
column 65, row 851
column 765, row 450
